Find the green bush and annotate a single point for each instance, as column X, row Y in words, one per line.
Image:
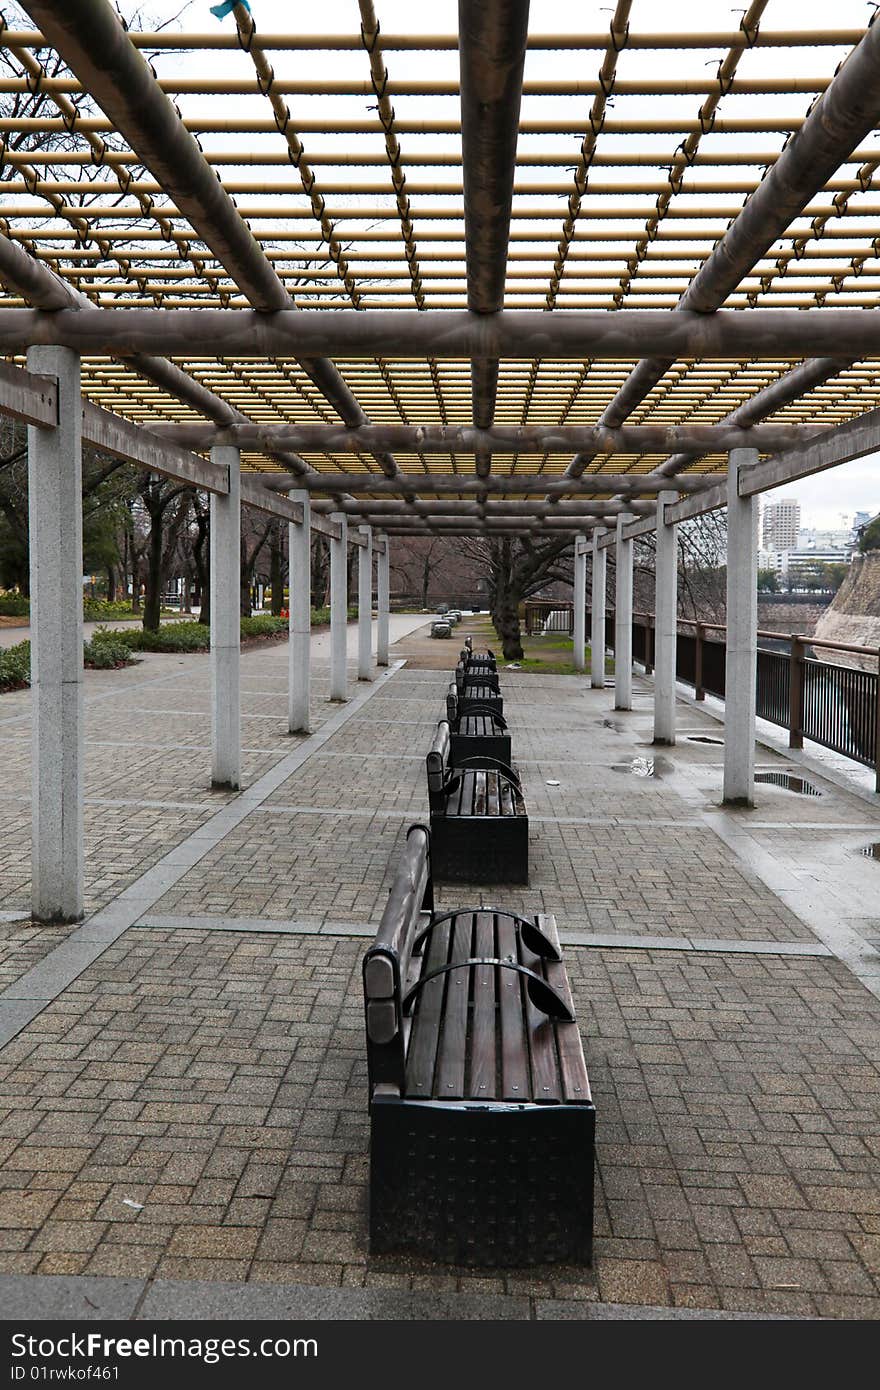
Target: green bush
column 172, row 637
column 321, row 616
column 188, row 637
column 262, row 625
column 15, row 666
column 105, row 651
column 14, row 605
column 100, row 610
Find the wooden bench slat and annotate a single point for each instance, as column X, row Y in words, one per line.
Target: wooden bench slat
column 515, row 1083
column 479, row 785
column 541, row 1037
column 483, row 1085
column 453, row 1041
column 422, row 1055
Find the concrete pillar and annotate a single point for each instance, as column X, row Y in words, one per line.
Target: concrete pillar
column 597, row 634
column 339, row 610
column 55, row 496
column 365, row 605
column 299, row 646
column 742, row 635
column 623, row 617
column 665, row 622
column 226, row 625
column 580, row 602
column 383, row 584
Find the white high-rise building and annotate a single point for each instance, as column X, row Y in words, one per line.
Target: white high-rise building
column 781, row 524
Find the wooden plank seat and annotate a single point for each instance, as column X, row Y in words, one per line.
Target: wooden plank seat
column 480, row 733
column 479, row 824
column 481, row 1120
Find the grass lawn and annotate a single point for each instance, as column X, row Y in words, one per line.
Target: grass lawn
column 551, row 654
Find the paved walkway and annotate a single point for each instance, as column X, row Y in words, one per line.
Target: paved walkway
column 184, row 1081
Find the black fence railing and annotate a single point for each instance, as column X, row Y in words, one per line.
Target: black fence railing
column 831, row 704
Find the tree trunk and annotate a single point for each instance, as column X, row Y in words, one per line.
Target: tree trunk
column 426, row 579
column 505, row 604
column 153, row 599
column 506, row 621
column 276, row 571
column 111, row 584
column 244, row 589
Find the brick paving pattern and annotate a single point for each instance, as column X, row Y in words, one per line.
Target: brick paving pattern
column 192, row 1106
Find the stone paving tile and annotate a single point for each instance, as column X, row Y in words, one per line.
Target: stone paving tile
column 209, row 1087
column 218, row 1082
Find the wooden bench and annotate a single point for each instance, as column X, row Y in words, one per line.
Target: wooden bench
column 479, row 825
column 480, row 733
column 476, row 662
column 465, row 678
column 481, row 1121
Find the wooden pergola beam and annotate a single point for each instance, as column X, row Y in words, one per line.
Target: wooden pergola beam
column 578, row 334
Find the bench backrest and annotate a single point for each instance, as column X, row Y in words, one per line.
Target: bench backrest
column 387, row 961
column 436, row 765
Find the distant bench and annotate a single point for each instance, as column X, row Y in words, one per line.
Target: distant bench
column 479, row 825
column 479, row 733
column 481, row 1120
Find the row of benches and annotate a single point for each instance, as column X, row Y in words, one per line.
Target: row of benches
column 479, row 823
column 481, row 1119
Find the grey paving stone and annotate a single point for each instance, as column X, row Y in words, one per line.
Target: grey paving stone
column 40, row 1298
column 178, row 1299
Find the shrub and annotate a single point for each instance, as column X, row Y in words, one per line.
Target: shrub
column 15, row 666
column 14, row 605
column 105, row 651
column 173, row 637
column 263, row 625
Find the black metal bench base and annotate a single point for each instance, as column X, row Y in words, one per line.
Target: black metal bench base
column 495, row 746
column 480, row 849
column 490, row 1185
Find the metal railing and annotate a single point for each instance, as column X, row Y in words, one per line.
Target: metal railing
column 548, row 615
column 833, row 705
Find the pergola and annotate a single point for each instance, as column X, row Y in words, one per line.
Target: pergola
column 423, row 323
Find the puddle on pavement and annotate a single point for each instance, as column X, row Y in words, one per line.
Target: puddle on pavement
column 790, row 781
column 871, row 851
column 704, row 738
column 644, row 767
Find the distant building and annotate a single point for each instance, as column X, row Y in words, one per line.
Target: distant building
column 781, row 524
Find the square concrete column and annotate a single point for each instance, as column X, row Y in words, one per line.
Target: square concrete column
column 56, row 567
column 665, row 621
column 299, row 647
column 740, row 669
column 365, row 605
column 226, row 625
column 623, row 611
column 597, row 632
column 339, row 609
column 383, row 584
column 580, row 602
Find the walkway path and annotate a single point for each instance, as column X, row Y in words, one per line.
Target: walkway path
column 188, row 1104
